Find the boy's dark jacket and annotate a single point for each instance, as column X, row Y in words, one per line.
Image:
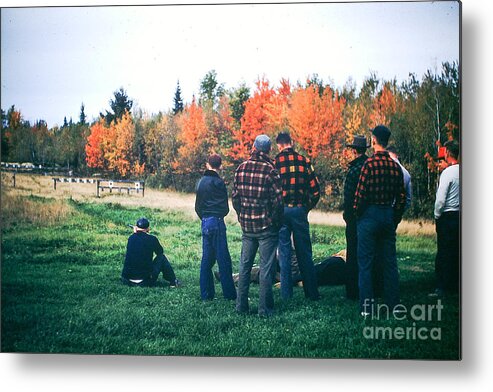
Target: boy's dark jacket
column 141, row 248
column 212, row 196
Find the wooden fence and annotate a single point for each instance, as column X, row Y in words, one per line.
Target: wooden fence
column 102, row 185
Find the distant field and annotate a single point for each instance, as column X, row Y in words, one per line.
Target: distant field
column 62, row 255
column 43, row 186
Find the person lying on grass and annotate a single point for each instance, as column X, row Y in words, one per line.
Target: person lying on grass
column 331, row 271
column 140, row 269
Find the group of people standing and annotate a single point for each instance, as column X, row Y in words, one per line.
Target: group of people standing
column 272, row 199
column 377, row 191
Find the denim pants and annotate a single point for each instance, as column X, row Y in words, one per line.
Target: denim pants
column 447, row 261
column 376, row 237
column 160, row 265
column 295, row 222
column 215, row 248
column 266, row 243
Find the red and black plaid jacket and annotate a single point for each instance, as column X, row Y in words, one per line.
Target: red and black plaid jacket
column 257, row 194
column 300, row 187
column 380, row 183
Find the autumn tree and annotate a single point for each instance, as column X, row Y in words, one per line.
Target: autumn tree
column 119, row 146
column 354, row 115
column 384, row 107
column 316, row 122
column 255, row 120
column 161, row 144
column 193, row 137
column 95, row 145
column 42, row 147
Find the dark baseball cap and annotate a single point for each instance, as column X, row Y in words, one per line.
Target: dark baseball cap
column 142, row 223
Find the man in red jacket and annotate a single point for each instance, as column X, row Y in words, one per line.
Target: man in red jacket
column 379, row 203
column 300, row 193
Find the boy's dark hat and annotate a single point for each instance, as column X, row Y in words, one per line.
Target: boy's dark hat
column 142, row 223
column 358, row 142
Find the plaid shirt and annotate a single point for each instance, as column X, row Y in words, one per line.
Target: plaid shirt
column 350, row 184
column 380, row 183
column 300, row 186
column 257, row 194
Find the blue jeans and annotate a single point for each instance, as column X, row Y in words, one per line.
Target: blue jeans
column 376, row 236
column 215, row 247
column 266, row 243
column 296, row 222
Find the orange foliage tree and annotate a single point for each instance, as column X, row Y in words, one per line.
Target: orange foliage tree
column 316, row 121
column 193, row 137
column 265, row 112
column 119, row 144
column 110, row 148
column 384, row 106
column 94, row 146
column 354, row 124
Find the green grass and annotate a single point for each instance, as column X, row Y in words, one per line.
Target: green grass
column 61, row 294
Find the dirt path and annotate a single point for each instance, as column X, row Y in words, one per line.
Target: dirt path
column 163, row 199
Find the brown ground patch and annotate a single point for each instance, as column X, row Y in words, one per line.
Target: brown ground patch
column 39, row 185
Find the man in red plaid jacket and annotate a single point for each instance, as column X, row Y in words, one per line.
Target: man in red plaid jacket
column 301, row 192
column 379, row 203
column 257, row 199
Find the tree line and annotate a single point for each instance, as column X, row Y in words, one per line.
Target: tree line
column 169, row 149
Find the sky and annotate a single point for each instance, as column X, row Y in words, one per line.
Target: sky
column 53, row 59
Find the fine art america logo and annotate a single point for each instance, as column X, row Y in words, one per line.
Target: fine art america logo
column 418, row 313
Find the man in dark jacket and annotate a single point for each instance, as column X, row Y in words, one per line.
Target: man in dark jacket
column 257, row 198
column 359, row 147
column 140, row 269
column 211, row 205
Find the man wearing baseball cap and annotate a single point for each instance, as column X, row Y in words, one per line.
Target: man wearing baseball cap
column 140, row 269
column 379, row 203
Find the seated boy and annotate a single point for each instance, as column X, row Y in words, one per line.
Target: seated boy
column 140, row 269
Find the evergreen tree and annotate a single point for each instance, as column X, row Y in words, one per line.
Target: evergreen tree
column 82, row 116
column 119, row 106
column 178, row 101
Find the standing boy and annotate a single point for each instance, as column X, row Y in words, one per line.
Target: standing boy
column 211, row 205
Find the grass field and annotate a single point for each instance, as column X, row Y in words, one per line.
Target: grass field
column 61, row 262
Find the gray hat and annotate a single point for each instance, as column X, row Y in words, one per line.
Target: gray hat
column 262, row 143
